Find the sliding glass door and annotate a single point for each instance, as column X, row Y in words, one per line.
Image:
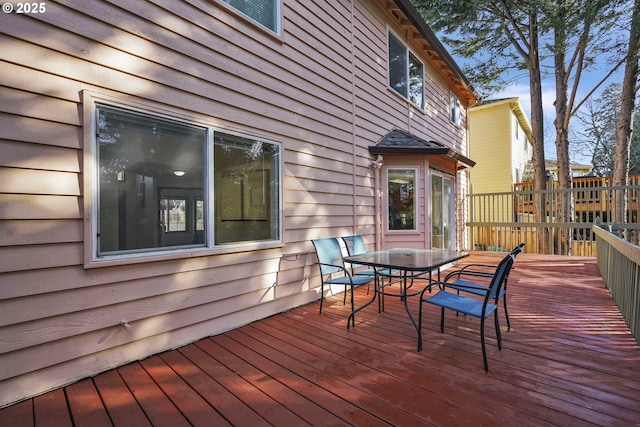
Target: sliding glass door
column 442, row 211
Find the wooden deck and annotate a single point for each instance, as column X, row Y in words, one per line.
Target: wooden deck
column 568, row 360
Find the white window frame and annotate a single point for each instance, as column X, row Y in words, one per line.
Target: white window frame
column 416, row 198
column 407, row 77
column 278, row 18
column 91, row 187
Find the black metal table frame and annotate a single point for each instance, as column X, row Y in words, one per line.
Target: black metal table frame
column 408, row 271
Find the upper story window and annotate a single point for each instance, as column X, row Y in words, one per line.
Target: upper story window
column 455, row 109
column 265, row 12
column 406, row 72
column 167, row 184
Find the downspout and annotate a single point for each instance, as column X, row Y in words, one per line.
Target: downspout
column 353, row 124
column 468, row 207
column 378, row 202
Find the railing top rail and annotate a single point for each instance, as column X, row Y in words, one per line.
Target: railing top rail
column 557, row 190
column 582, row 182
column 629, row 250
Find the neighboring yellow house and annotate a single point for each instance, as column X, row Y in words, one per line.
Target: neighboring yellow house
column 500, row 144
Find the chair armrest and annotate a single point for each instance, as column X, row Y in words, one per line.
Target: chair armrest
column 469, row 272
column 340, row 267
column 430, row 286
column 464, row 285
column 476, row 266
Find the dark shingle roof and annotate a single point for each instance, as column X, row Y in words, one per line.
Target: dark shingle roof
column 402, row 142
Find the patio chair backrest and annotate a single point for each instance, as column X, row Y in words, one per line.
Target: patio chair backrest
column 329, row 255
column 500, row 276
column 355, row 245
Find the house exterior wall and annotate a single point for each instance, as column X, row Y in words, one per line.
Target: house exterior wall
column 319, row 89
column 491, row 147
column 500, row 143
column 522, row 151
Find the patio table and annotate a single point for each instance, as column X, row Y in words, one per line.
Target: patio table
column 410, row 264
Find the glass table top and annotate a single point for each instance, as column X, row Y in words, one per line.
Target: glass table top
column 408, row 258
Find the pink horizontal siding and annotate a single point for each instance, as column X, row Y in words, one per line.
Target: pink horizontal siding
column 61, row 322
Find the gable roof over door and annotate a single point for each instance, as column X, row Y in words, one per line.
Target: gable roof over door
column 401, row 142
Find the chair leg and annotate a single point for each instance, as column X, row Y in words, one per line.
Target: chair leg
column 420, row 325
column 321, row 296
column 506, row 313
column 353, row 318
column 498, row 333
column 484, row 349
column 442, row 319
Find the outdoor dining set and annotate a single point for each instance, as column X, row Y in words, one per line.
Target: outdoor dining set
column 474, row 290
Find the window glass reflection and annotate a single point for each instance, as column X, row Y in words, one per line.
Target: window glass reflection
column 400, row 190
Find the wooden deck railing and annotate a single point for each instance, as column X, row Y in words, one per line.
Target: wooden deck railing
column 580, row 182
column 499, row 221
column 618, row 262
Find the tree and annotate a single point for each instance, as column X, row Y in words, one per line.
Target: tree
column 597, row 135
column 582, row 30
column 505, row 37
column 599, row 126
column 625, row 124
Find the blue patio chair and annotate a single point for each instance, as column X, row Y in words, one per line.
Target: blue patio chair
column 480, row 308
column 355, row 246
column 331, row 263
column 463, row 280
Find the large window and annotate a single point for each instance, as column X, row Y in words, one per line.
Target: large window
column 401, row 188
column 406, row 72
column 245, row 189
column 265, row 12
column 156, row 189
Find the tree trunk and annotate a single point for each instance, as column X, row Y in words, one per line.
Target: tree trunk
column 625, row 123
column 537, row 131
column 564, row 203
